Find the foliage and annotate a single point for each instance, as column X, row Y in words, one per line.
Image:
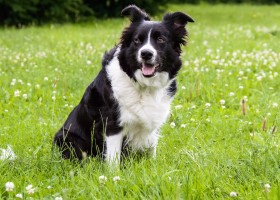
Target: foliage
column 26, row 12
column 209, row 148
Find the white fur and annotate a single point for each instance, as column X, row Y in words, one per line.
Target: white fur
column 148, row 46
column 144, row 105
column 113, row 148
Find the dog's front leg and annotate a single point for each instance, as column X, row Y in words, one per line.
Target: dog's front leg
column 113, row 148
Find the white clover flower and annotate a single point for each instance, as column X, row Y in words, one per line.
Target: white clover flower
column 17, row 93
column 207, row 105
column 58, row 198
column 7, row 154
column 53, row 98
column 88, row 62
column 178, row 107
column 116, row 179
column 37, row 86
column 193, row 107
column 20, row 196
column 222, row 102
column 20, row 81
column 259, row 78
column 231, row 94
column 30, row 189
column 183, row 87
column 24, row 96
column 49, row 187
column 102, row 179
column 241, row 87
column 9, row 186
column 233, row 194
column 208, row 119
column 274, row 105
column 183, row 125
column 172, row 124
column 46, row 78
column 267, row 186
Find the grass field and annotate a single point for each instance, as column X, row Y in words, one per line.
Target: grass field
column 211, row 146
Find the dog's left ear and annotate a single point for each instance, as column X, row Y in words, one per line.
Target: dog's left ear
column 135, row 14
column 177, row 19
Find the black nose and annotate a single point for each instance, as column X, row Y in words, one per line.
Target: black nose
column 146, row 54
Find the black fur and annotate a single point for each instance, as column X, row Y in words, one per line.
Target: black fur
column 97, row 114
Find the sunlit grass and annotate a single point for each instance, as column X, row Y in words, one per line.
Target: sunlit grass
column 212, row 147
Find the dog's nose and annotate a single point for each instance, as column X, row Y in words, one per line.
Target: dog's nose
column 146, row 54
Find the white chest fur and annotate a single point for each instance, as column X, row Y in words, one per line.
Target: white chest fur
column 143, row 108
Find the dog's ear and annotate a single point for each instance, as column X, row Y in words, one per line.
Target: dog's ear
column 177, row 19
column 135, row 14
column 177, row 22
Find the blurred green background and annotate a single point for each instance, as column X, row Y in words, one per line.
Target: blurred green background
column 35, row 12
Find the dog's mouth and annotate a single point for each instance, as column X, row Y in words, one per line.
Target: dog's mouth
column 149, row 70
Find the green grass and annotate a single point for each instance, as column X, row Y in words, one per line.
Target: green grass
column 233, row 54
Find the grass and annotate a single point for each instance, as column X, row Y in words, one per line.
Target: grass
column 209, row 147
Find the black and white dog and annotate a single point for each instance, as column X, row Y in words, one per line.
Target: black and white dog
column 130, row 98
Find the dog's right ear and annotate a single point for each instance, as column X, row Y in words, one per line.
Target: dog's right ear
column 135, row 14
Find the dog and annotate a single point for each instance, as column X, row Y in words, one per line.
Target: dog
column 129, row 100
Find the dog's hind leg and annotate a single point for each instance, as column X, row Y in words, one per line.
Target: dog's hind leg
column 71, row 146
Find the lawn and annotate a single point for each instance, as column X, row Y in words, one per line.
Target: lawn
column 221, row 140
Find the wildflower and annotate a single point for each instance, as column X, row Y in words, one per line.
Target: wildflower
column 259, row 78
column 183, row 87
column 20, row 196
column 17, row 93
column 58, row 198
column 172, row 124
column 24, row 96
column 183, row 125
column 233, row 194
column 116, row 179
column 102, row 179
column 9, row 186
column 207, row 105
column 88, row 62
column 49, row 187
column 222, row 101
column 231, row 94
column 193, row 107
column 208, row 119
column 267, row 187
column 7, row 154
column 53, row 98
column 46, row 79
column 30, row 189
column 178, row 107
column 275, row 105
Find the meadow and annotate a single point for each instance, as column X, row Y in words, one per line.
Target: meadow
column 221, row 140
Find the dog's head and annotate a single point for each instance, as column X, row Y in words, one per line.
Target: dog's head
column 149, row 48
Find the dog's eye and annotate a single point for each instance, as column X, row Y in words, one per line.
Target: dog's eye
column 160, row 40
column 137, row 41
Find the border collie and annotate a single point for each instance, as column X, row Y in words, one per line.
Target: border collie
column 130, row 98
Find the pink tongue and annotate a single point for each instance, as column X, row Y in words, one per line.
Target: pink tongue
column 148, row 70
